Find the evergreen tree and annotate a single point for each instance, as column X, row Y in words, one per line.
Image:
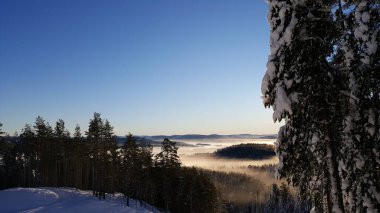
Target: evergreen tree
column 62, row 152
column 168, row 157
column 8, row 164
column 167, row 162
column 1, row 132
column 44, row 135
column 110, row 158
column 103, row 154
column 131, row 167
column 80, row 157
column 360, row 168
column 145, row 173
column 30, row 156
column 94, row 134
column 46, row 156
column 322, row 78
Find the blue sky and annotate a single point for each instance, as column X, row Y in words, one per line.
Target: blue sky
column 149, row 66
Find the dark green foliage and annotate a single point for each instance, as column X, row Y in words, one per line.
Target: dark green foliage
column 184, row 190
column 136, row 163
column 197, row 192
column 168, row 157
column 179, row 189
column 8, row 163
column 103, row 147
column 322, row 78
column 247, row 151
column 46, row 156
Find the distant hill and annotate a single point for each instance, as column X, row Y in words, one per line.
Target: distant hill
column 268, row 137
column 247, row 151
column 120, row 141
column 148, row 141
column 212, row 136
column 156, row 140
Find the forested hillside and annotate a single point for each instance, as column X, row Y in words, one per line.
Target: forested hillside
column 47, row 155
column 247, row 151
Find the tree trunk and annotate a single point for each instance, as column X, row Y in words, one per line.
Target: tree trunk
column 336, row 190
column 328, row 195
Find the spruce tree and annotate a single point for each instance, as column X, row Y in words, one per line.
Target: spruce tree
column 329, row 145
column 360, row 168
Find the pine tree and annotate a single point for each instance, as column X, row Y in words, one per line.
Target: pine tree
column 44, row 136
column 167, row 162
column 131, row 166
column 110, row 158
column 62, row 151
column 103, row 152
column 46, row 156
column 79, row 156
column 168, row 157
column 94, row 135
column 145, row 185
column 8, row 162
column 30, row 156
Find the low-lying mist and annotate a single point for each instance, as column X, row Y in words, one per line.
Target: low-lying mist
column 241, row 184
column 223, row 164
column 211, row 145
column 199, row 154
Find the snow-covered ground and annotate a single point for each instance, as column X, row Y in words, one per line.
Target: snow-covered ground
column 64, row 200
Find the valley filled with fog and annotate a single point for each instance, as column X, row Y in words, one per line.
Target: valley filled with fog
column 198, row 153
column 255, row 176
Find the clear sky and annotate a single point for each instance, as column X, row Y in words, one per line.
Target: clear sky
column 148, row 66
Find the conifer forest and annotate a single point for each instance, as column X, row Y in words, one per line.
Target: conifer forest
column 45, row 155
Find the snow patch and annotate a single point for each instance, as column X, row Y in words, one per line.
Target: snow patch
column 365, row 17
column 64, row 200
column 23, row 199
column 282, row 104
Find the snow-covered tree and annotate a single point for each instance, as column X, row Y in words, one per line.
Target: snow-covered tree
column 323, row 78
column 360, row 169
